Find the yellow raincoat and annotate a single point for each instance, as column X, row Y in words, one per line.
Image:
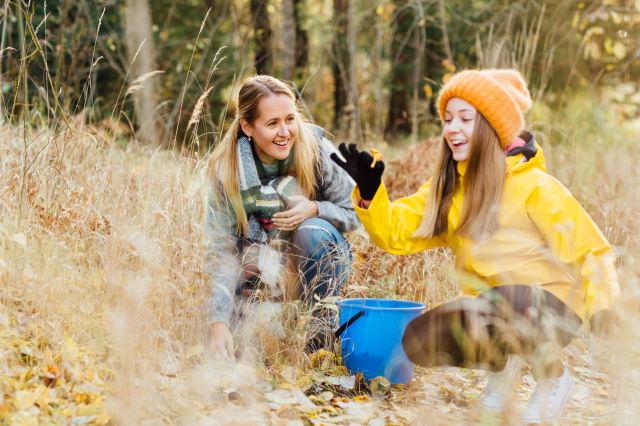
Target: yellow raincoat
column 544, row 238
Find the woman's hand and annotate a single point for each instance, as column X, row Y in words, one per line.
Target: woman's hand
column 362, row 168
column 221, row 341
column 300, row 208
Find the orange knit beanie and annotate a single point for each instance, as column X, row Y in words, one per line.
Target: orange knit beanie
column 500, row 95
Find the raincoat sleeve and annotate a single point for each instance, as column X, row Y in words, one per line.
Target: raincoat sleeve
column 391, row 225
column 575, row 239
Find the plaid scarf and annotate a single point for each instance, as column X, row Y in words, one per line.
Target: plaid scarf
column 263, row 197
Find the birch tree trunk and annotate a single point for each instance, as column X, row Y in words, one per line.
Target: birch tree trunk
column 138, row 28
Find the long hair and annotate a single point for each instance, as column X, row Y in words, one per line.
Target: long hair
column 483, row 186
column 223, row 164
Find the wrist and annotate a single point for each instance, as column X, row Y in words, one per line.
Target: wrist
column 364, row 204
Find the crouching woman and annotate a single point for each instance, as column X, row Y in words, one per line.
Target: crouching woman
column 534, row 262
column 277, row 199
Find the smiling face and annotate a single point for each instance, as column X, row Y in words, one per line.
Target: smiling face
column 459, row 122
column 275, row 128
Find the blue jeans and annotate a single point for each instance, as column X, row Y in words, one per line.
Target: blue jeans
column 323, row 258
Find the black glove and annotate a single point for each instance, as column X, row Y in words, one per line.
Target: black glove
column 604, row 322
column 358, row 165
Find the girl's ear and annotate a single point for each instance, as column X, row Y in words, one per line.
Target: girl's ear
column 246, row 127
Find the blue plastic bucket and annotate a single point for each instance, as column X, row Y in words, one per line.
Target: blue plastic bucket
column 371, row 333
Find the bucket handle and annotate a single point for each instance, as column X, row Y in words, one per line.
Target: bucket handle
column 350, row 321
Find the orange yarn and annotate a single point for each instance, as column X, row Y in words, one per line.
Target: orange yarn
column 500, row 95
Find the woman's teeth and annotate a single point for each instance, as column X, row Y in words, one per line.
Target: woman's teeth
column 458, row 143
column 281, row 143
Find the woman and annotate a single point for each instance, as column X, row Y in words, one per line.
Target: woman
column 277, row 195
column 536, row 262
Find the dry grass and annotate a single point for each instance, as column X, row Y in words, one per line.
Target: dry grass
column 102, row 283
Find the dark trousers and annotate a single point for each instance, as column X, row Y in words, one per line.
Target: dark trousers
column 481, row 332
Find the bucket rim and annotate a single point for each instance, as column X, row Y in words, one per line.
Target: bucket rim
column 353, row 302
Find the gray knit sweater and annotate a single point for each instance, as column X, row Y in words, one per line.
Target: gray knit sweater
column 223, row 257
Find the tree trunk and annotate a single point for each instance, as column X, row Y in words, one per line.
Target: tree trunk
column 138, row 27
column 420, row 41
column 353, row 99
column 261, row 36
column 442, row 11
column 378, row 93
column 289, row 48
column 302, row 39
column 340, row 61
column 401, row 75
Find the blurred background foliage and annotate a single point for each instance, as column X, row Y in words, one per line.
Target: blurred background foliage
column 165, row 70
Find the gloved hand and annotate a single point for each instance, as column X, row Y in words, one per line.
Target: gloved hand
column 358, row 165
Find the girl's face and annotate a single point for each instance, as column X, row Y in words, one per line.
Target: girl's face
column 459, row 122
column 274, row 129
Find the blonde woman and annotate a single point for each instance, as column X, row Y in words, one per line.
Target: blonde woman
column 532, row 257
column 276, row 195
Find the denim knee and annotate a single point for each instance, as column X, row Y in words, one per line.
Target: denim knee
column 323, row 257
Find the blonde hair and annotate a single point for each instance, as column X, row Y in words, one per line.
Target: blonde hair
column 223, row 163
column 483, row 187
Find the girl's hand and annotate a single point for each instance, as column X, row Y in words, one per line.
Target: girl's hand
column 300, row 208
column 362, row 167
column 221, row 341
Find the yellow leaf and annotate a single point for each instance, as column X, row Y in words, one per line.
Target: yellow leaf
column 361, row 398
column 619, row 50
column 379, row 10
column 575, row 21
column 428, row 91
column 42, row 396
column 616, row 17
column 608, row 45
column 593, row 31
column 96, row 409
column 592, row 50
column 23, row 418
column 23, row 400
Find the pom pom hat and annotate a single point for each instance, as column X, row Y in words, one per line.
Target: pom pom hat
column 500, row 95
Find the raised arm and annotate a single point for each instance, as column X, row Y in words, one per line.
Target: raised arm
column 390, row 225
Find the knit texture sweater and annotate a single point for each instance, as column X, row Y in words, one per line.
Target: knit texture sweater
column 224, row 244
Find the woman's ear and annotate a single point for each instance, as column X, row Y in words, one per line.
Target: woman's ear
column 246, row 127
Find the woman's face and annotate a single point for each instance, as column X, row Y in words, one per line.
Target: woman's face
column 459, row 122
column 274, row 129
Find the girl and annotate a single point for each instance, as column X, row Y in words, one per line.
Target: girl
column 536, row 262
column 276, row 194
